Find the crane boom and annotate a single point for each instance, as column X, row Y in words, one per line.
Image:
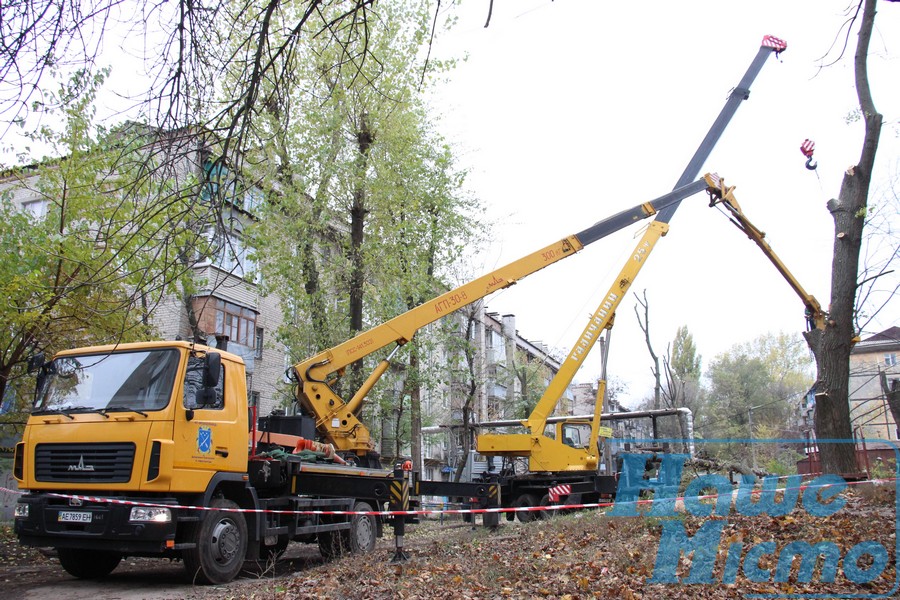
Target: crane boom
column 551, row 455
column 336, row 419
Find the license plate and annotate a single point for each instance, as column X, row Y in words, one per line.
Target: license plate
column 73, row 516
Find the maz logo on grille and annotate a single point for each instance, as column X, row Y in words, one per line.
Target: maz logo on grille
column 81, row 466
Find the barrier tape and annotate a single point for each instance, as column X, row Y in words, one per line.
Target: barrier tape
column 452, row 511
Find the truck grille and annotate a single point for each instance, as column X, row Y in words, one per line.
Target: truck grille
column 84, row 463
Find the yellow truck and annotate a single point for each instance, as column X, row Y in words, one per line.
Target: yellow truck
column 149, row 449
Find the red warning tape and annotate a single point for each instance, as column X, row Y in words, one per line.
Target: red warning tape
column 392, row 513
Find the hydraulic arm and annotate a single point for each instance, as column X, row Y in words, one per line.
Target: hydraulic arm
column 337, row 420
column 816, row 318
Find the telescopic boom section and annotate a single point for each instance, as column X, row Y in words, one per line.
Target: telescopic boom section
column 816, row 318
column 336, row 419
column 601, row 319
column 512, row 445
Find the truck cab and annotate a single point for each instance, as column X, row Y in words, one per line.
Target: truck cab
column 180, row 415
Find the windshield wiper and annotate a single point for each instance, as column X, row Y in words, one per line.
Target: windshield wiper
column 66, row 412
column 109, row 409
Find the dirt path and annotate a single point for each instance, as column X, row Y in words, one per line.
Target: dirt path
column 137, row 579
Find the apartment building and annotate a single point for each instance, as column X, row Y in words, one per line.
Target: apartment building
column 874, row 372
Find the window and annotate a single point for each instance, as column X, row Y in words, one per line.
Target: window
column 117, row 381
column 259, row 342
column 890, row 359
column 220, row 317
column 37, row 208
column 232, row 255
column 223, row 186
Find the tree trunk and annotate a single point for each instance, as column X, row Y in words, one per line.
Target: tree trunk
column 415, row 408
column 831, row 346
column 470, row 352
column 358, row 211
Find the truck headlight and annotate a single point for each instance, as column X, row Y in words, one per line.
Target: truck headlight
column 150, row 514
column 22, row 510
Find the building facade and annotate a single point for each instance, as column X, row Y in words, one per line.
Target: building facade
column 874, row 368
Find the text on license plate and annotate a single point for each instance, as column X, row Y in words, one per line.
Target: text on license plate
column 73, row 516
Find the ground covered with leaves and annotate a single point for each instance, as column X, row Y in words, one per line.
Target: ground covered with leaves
column 584, row 554
column 589, row 554
column 13, row 554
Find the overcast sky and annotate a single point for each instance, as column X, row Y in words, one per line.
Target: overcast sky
column 569, row 111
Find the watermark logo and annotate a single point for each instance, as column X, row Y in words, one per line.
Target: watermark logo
column 710, row 557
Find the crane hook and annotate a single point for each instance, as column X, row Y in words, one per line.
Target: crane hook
column 807, row 148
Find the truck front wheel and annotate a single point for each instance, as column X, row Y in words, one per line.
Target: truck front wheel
column 220, row 545
column 88, row 564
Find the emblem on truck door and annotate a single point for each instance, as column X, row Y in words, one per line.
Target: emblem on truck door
column 81, row 466
column 204, row 440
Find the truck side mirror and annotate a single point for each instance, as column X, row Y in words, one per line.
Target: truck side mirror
column 211, row 369
column 35, row 362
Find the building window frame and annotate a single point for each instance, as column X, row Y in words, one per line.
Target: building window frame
column 221, row 317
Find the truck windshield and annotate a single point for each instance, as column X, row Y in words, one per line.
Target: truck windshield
column 120, row 381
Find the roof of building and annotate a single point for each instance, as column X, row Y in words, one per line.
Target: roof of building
column 888, row 335
column 889, row 339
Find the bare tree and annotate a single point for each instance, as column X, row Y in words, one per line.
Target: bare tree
column 831, row 346
column 645, row 327
column 204, row 43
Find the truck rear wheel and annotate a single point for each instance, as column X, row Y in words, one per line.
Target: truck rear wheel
column 363, row 530
column 525, row 501
column 88, row 564
column 220, row 540
column 360, row 538
column 546, row 514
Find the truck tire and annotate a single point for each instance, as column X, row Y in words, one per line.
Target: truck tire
column 526, row 501
column 88, row 564
column 546, row 514
column 363, row 530
column 360, row 538
column 220, row 545
column 331, row 544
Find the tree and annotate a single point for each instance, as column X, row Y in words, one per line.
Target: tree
column 654, row 369
column 751, row 388
column 831, row 346
column 680, row 370
column 365, row 207
column 467, row 380
column 97, row 251
column 187, row 65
